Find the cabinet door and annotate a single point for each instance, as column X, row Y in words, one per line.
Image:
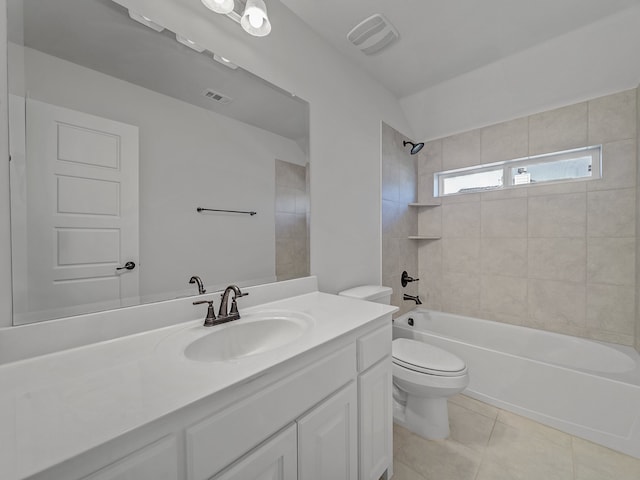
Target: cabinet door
column 157, row 461
column 274, row 460
column 375, row 420
column 327, row 438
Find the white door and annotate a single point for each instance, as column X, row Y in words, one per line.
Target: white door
column 277, row 459
column 328, row 438
column 82, row 210
column 376, row 420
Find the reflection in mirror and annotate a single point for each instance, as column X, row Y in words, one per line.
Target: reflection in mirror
column 119, row 131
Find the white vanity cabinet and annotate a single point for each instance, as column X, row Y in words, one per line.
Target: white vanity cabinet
column 325, row 415
column 375, row 405
column 328, row 438
column 276, row 459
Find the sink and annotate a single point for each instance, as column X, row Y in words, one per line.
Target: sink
column 254, row 334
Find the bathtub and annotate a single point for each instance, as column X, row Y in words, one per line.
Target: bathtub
column 585, row 388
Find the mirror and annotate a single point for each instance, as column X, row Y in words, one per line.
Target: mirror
column 119, row 131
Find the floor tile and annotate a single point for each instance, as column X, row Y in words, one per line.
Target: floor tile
column 404, row 472
column 469, row 428
column 475, row 405
column 535, row 428
column 594, row 462
column 436, row 459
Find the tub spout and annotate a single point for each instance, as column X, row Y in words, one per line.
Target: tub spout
column 415, row 298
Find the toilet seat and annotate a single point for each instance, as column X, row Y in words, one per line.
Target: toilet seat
column 427, row 359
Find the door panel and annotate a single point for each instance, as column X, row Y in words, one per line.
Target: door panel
column 82, row 210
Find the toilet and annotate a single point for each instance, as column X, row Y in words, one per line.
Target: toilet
column 424, row 376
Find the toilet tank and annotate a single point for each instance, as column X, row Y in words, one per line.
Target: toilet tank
column 371, row 293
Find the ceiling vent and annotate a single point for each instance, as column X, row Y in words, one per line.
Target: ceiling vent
column 373, row 34
column 217, row 96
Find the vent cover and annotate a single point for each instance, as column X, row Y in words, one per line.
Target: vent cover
column 373, row 34
column 217, row 96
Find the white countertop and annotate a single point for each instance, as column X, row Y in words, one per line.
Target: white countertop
column 54, row 407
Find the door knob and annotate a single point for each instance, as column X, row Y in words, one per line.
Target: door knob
column 127, row 266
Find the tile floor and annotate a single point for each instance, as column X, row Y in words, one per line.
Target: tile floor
column 487, row 443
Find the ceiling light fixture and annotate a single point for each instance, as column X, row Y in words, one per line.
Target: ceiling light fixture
column 219, row 6
column 224, row 61
column 146, row 21
column 189, row 43
column 254, row 19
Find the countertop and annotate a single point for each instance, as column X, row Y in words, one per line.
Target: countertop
column 57, row 406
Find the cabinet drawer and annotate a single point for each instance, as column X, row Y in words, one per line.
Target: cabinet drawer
column 158, row 461
column 374, row 346
column 215, row 442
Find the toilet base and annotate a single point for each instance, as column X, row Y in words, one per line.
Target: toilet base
column 427, row 417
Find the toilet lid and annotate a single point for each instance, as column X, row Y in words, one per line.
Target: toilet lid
column 425, row 358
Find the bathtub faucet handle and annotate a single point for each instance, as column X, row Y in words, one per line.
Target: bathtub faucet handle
column 407, row 279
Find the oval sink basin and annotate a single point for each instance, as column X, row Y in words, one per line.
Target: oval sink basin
column 252, row 335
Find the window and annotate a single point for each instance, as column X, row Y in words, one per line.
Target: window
column 570, row 165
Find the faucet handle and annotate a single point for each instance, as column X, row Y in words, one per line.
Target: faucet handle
column 211, row 314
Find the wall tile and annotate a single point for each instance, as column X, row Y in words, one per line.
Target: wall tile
column 503, row 194
column 506, row 295
column 554, row 303
column 461, row 220
column 430, row 273
column 430, row 221
column 558, row 259
column 611, row 261
column 391, row 216
column 461, row 293
column 462, row 198
column 504, row 218
column 462, row 150
column 558, row 215
column 560, row 129
column 504, row 256
column 430, row 158
column 557, row 188
column 425, row 189
column 461, row 255
column 612, row 117
column 612, row 213
column 618, row 166
column 611, row 308
column 505, row 141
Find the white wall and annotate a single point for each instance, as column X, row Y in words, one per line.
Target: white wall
column 590, row 62
column 345, row 114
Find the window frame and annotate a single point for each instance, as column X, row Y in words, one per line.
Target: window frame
column 595, row 151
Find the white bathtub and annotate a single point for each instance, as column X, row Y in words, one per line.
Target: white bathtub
column 585, row 388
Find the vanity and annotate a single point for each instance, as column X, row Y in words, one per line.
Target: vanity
column 310, row 400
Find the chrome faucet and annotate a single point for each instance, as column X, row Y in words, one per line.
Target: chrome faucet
column 224, row 314
column 196, row 279
column 415, row 298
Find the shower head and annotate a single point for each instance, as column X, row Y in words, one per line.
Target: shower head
column 415, row 147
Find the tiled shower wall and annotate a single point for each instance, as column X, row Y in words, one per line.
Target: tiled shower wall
column 292, row 220
column 399, row 183
column 557, row 257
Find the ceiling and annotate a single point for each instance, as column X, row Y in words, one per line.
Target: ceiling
column 99, row 35
column 442, row 39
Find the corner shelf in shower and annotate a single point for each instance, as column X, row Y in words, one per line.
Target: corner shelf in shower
column 423, row 237
column 425, row 204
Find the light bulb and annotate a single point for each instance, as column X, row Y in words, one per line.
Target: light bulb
column 255, row 18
